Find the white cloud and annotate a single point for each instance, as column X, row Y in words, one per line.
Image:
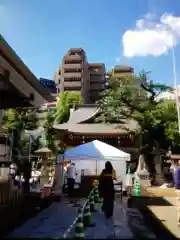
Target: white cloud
column 152, row 36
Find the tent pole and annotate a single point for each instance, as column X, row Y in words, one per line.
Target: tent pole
column 96, row 167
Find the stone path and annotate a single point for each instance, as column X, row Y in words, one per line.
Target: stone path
column 50, row 223
column 167, row 215
column 137, row 225
column 116, row 229
column 54, row 221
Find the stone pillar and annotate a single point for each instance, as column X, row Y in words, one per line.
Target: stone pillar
column 159, row 169
column 59, row 171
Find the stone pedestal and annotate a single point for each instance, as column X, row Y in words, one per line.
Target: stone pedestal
column 142, row 172
column 144, row 177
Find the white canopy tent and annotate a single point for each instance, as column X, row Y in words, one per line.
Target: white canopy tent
column 91, row 158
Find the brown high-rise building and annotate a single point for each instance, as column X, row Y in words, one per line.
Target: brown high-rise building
column 76, row 74
column 97, row 80
column 121, row 71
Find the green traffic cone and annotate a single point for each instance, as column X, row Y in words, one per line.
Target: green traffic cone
column 87, row 217
column 91, row 203
column 137, row 188
column 79, row 227
column 96, row 195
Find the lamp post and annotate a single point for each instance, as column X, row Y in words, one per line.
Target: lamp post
column 59, row 172
column 175, row 86
column 174, row 35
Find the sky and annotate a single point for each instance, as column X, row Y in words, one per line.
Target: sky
column 139, row 33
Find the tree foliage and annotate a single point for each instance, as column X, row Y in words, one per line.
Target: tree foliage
column 48, row 128
column 16, row 121
column 73, row 98
column 20, row 119
column 135, row 98
column 62, row 110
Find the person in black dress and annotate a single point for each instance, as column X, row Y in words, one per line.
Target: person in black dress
column 106, row 189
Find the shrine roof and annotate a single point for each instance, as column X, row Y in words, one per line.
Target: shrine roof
column 98, row 128
column 83, row 113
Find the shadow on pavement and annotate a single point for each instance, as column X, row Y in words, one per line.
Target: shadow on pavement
column 153, row 201
column 32, row 204
column 155, row 224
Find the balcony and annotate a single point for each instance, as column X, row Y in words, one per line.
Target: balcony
column 72, row 88
column 70, row 70
column 97, row 87
column 73, row 59
column 97, row 79
column 72, row 65
column 72, row 84
column 99, row 73
column 73, row 75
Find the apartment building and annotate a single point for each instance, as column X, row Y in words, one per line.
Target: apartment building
column 76, row 74
column 97, row 80
column 121, row 71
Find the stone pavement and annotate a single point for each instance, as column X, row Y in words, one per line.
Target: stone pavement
column 53, row 222
column 50, row 223
column 167, row 215
column 116, row 229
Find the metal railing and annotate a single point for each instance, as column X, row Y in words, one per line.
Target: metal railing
column 70, row 228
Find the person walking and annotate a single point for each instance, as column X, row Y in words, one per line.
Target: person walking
column 71, row 175
column 107, row 192
column 177, row 187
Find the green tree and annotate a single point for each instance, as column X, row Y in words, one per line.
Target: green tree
column 31, row 120
column 138, row 102
column 73, row 98
column 16, row 122
column 62, row 110
column 166, row 119
column 48, row 129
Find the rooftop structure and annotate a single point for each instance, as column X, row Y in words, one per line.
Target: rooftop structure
column 121, row 71
column 76, row 74
column 50, row 85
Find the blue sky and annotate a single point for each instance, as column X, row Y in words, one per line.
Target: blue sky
column 42, row 31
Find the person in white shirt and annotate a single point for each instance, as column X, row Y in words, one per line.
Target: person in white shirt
column 71, row 174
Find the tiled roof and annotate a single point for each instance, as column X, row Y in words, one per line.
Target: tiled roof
column 98, row 128
column 82, row 114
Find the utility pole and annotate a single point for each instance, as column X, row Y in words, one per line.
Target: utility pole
column 176, row 88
